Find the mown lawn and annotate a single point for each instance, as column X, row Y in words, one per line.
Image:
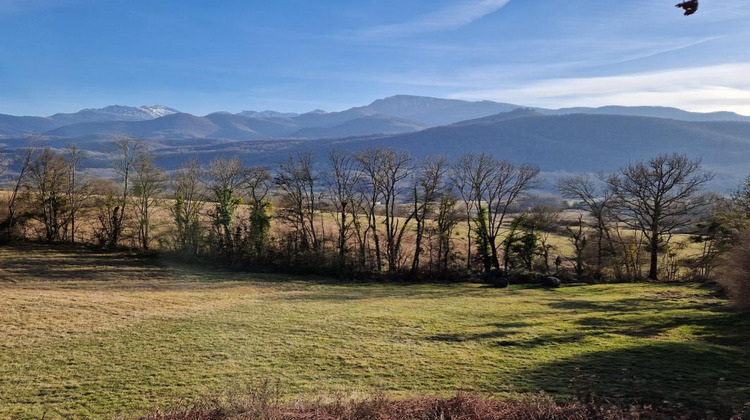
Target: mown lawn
column 94, row 335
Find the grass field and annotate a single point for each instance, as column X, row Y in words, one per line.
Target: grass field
column 87, row 334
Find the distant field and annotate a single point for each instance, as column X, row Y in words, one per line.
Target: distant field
column 88, row 334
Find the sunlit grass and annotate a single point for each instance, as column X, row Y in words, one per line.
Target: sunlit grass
column 90, row 335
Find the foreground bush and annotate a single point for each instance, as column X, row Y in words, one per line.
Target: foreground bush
column 502, row 278
column 734, row 272
column 426, row 408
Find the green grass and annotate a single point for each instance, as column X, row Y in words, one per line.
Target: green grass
column 92, row 335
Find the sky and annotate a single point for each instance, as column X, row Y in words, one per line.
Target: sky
column 298, row 55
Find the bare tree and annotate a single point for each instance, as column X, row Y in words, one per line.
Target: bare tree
column 371, row 190
column 739, row 198
column 49, row 175
column 544, row 220
column 578, row 238
column 397, row 167
column 106, row 196
column 427, row 189
column 148, row 185
column 658, row 196
column 493, row 186
column 258, row 185
column 297, row 181
column 469, row 172
column 4, row 165
column 224, row 178
column 598, row 202
column 25, row 161
column 448, row 216
column 79, row 190
column 342, row 181
column 126, row 153
column 358, row 209
column 391, row 170
column 385, row 173
column 187, row 207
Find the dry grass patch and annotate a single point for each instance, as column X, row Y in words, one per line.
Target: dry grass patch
column 52, row 293
column 133, row 333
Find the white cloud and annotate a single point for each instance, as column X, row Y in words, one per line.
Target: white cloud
column 451, row 17
column 710, row 88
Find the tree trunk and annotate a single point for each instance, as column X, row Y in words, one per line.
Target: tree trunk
column 73, row 204
column 653, row 269
column 376, row 239
column 468, row 240
column 494, row 258
column 342, row 235
column 418, row 247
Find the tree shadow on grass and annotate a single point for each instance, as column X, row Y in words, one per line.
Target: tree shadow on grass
column 716, row 325
column 628, row 305
column 68, row 262
column 501, row 331
column 695, row 375
column 704, row 322
column 514, row 336
column 342, row 292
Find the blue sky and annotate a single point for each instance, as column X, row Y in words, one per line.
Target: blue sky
column 297, row 55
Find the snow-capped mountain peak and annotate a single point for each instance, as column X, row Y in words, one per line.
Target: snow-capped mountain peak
column 157, row 110
column 115, row 113
column 141, row 112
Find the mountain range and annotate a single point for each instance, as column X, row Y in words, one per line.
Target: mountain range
column 395, row 114
column 559, row 141
column 12, row 125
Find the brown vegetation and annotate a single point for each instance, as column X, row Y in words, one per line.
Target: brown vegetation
column 734, row 274
column 265, row 406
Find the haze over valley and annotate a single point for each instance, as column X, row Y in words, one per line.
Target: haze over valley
column 558, row 140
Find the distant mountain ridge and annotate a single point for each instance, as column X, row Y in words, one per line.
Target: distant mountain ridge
column 13, row 125
column 395, row 114
column 558, row 144
column 370, row 124
column 268, row 114
column 436, row 111
column 181, row 125
column 651, row 111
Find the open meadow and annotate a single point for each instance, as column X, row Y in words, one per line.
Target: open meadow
column 90, row 334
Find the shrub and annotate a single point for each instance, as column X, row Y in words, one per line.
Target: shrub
column 377, row 407
column 733, row 273
column 496, row 278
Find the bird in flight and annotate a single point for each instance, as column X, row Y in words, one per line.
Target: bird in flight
column 690, row 6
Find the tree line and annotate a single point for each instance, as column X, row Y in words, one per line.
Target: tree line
column 379, row 212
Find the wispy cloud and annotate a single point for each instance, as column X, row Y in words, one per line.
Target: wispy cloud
column 710, row 88
column 475, row 74
column 450, row 17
